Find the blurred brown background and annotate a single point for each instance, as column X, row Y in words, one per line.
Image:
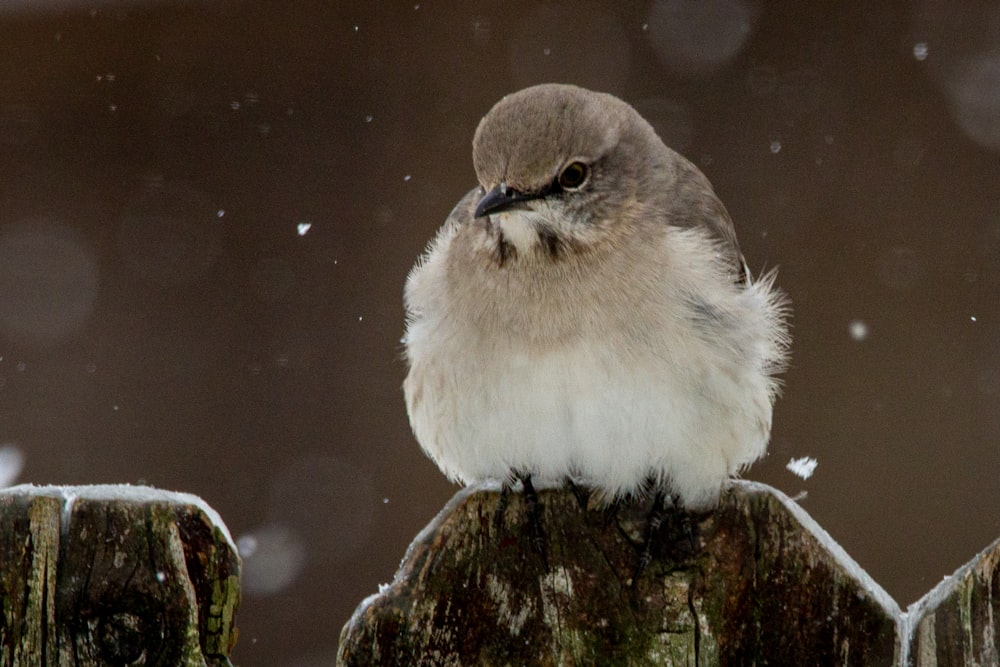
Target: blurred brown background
column 208, row 210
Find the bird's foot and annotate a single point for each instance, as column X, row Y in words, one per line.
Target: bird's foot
column 581, row 493
column 669, row 531
column 533, row 525
column 535, row 528
column 501, row 508
column 653, row 522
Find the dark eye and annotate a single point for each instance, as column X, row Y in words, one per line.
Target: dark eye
column 573, row 175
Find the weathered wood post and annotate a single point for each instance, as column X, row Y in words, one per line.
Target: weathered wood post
column 762, row 583
column 958, row 622
column 114, row 575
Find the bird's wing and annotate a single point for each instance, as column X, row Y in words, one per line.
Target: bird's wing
column 464, row 211
column 695, row 204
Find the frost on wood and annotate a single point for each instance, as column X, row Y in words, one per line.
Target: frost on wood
column 114, row 576
column 755, row 582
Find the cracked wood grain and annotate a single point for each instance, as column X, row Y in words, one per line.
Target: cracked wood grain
column 95, row 581
column 757, row 586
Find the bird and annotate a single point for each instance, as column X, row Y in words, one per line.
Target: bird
column 585, row 313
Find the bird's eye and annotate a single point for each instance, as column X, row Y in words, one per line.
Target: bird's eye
column 573, row 176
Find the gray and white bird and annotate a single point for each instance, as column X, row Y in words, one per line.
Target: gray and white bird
column 586, row 312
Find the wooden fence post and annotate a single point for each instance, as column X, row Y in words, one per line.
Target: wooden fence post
column 114, row 575
column 760, row 583
column 958, row 622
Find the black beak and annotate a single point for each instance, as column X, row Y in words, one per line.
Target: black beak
column 502, row 198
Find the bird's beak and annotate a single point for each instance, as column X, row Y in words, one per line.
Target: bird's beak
column 502, row 198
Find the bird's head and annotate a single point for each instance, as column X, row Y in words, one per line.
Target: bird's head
column 561, row 166
column 564, row 170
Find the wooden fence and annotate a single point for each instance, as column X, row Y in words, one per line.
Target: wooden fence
column 756, row 582
column 114, row 575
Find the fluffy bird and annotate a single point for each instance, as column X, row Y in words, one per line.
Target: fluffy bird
column 586, row 313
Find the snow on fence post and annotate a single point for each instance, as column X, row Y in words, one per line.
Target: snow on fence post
column 761, row 583
column 114, row 575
